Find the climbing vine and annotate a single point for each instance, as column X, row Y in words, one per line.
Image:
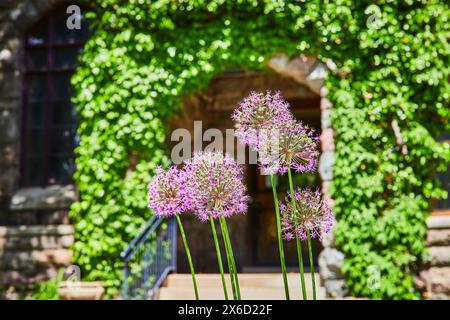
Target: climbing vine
column 390, row 101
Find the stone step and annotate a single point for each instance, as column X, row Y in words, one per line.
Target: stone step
column 438, row 222
column 257, row 280
column 246, row 293
column 253, row 287
column 440, row 256
column 438, row 237
column 436, row 282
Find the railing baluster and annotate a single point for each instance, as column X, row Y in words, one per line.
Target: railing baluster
column 149, row 258
column 125, row 281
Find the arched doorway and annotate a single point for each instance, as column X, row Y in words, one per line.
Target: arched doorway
column 254, row 234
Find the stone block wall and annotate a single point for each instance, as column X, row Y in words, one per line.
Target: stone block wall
column 434, row 279
column 33, row 253
column 35, row 235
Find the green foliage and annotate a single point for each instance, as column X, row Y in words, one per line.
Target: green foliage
column 46, row 290
column 144, row 55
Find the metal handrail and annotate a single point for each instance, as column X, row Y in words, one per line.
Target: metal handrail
column 145, row 232
column 149, row 260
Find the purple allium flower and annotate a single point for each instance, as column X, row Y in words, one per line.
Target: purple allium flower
column 167, row 193
column 216, row 185
column 293, row 147
column 259, row 112
column 311, row 213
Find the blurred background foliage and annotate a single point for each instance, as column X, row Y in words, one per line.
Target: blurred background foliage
column 143, row 56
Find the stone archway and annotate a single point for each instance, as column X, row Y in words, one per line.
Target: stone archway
column 306, row 72
column 311, row 72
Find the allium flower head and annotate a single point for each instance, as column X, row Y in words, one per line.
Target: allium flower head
column 291, row 147
column 259, row 112
column 311, row 214
column 216, row 185
column 167, row 193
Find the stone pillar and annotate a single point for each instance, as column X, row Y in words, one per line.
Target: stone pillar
column 10, row 48
column 309, row 71
column 330, row 259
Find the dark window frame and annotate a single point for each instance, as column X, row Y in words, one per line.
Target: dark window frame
column 46, row 24
column 442, row 207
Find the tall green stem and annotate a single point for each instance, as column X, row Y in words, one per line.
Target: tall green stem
column 300, row 264
column 280, row 240
column 230, row 264
column 230, row 250
column 299, row 244
column 219, row 256
column 311, row 263
column 188, row 253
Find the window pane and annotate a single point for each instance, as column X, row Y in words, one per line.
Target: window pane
column 83, row 34
column 37, row 59
column 62, row 89
column 38, row 34
column 63, row 140
column 37, row 88
column 445, row 179
column 33, row 171
column 65, row 58
column 35, row 110
column 64, row 113
column 62, row 34
column 61, row 169
column 34, row 142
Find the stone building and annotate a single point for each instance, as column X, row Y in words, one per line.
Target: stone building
column 37, row 120
column 37, row 137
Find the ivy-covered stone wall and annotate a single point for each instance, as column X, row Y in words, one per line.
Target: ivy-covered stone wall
column 388, row 84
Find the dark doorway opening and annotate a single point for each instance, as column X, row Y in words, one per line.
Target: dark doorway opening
column 253, row 234
column 263, row 250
